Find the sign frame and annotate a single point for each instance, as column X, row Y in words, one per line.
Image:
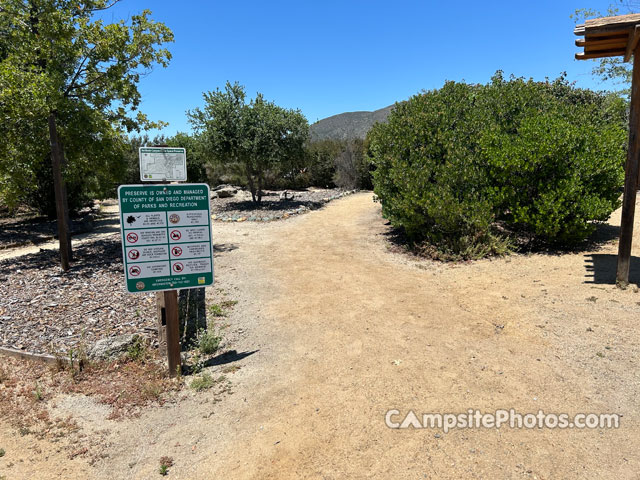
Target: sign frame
column 149, row 215
column 159, row 152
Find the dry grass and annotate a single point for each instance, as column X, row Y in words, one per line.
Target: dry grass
column 125, row 385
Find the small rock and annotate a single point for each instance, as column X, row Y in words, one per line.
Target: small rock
column 225, row 191
column 113, row 346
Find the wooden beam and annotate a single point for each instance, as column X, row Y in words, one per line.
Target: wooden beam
column 602, row 54
column 630, row 177
column 597, row 41
column 632, row 43
column 619, row 45
column 579, row 30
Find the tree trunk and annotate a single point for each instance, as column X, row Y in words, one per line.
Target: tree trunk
column 252, row 186
column 260, row 187
column 62, row 210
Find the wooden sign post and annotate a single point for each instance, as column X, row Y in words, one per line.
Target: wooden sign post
column 166, row 246
column 614, row 37
column 172, row 332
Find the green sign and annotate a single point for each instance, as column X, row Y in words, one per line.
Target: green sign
column 166, row 236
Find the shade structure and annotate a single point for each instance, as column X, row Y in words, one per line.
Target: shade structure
column 618, row 37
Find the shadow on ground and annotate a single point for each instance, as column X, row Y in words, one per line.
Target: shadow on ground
column 38, row 229
column 601, row 269
column 603, row 235
column 227, row 357
column 268, row 206
column 223, row 247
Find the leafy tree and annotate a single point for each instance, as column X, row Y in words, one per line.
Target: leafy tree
column 196, row 156
column 258, row 135
column 58, row 63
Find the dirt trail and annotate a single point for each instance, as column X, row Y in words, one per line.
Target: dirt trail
column 368, row 331
column 333, row 330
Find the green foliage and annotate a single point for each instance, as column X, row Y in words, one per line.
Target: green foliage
column 257, row 136
column 456, row 167
column 204, row 382
column 165, row 463
column 341, row 163
column 57, row 60
column 208, row 342
column 138, row 350
column 196, row 156
column 554, row 166
column 216, row 310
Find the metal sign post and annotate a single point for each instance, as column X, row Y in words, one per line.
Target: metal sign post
column 166, row 245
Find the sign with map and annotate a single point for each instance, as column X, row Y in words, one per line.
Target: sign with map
column 166, row 236
column 158, row 164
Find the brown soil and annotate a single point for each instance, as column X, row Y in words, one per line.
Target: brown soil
column 332, row 329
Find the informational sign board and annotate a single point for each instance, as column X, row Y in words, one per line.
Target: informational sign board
column 158, row 164
column 166, row 236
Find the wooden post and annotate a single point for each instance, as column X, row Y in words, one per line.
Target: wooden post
column 162, row 323
column 60, row 193
column 631, row 177
column 172, row 331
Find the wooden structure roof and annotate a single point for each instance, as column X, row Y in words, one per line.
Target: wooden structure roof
column 614, row 37
column 609, row 37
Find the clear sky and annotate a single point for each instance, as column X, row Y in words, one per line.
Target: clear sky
column 328, row 57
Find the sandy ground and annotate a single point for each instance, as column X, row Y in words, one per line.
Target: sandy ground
column 332, row 330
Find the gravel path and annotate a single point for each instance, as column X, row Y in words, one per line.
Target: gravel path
column 241, row 208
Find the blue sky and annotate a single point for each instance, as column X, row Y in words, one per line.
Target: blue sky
column 329, row 57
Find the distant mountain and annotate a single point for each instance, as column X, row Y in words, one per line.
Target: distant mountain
column 349, row 125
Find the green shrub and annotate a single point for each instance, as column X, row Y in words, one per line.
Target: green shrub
column 208, row 342
column 203, row 382
column 555, row 162
column 461, row 168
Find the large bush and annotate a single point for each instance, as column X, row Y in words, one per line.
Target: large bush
column 463, row 167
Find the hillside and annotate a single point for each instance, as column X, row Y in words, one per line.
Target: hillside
column 348, row 125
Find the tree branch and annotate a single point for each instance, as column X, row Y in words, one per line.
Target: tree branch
column 106, row 7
